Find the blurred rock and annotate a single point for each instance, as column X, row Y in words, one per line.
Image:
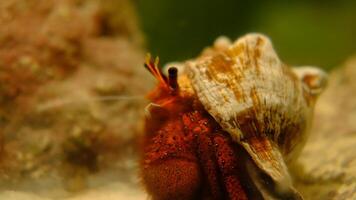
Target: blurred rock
column 72, row 91
column 329, row 158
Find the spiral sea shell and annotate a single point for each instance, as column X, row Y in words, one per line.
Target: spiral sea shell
column 265, row 105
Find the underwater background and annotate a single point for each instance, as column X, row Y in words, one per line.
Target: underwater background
column 312, row 32
column 73, row 87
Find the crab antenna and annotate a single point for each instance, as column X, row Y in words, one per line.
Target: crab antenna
column 152, row 66
column 149, row 67
column 56, row 103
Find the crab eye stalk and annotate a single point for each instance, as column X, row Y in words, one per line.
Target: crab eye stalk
column 172, row 78
column 170, row 83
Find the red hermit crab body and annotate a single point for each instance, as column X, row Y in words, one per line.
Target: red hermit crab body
column 229, row 125
column 186, row 153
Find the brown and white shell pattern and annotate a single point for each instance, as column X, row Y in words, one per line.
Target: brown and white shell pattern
column 262, row 103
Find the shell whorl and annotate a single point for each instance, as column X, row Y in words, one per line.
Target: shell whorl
column 248, row 87
column 262, row 103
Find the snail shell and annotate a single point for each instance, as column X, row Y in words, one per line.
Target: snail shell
column 262, row 103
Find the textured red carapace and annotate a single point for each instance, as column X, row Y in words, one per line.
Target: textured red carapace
column 186, row 154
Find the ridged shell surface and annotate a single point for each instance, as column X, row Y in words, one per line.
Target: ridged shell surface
column 262, row 103
column 249, row 91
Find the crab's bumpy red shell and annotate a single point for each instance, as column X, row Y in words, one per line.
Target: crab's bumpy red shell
column 265, row 105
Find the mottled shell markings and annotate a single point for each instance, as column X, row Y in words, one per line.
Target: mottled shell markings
column 240, row 80
column 262, row 103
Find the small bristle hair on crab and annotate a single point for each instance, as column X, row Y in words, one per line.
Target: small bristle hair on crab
column 227, row 124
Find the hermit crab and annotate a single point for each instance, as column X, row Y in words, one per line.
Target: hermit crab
column 225, row 125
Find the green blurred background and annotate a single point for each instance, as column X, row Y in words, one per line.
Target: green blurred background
column 304, row 32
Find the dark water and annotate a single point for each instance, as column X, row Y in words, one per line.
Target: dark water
column 314, row 32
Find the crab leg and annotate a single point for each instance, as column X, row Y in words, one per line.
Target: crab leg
column 227, row 162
